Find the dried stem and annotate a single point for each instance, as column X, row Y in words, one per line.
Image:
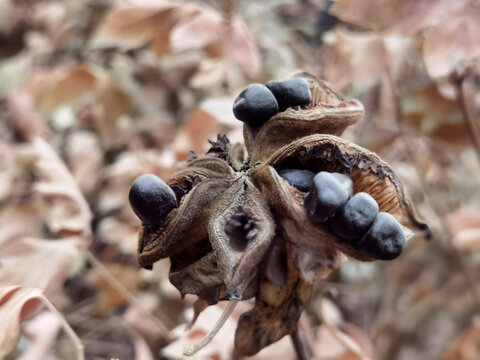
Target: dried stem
column 300, row 345
column 102, row 271
column 192, row 350
column 71, row 334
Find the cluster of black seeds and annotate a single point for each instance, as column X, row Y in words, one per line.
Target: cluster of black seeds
column 353, row 218
column 258, row 103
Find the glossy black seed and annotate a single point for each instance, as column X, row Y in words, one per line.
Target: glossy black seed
column 151, row 199
column 255, row 105
column 298, row 178
column 326, row 196
column 356, row 217
column 384, row 240
column 291, row 92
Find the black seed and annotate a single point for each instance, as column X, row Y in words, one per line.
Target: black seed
column 255, row 105
column 299, row 178
column 384, row 240
column 151, row 199
column 327, row 195
column 291, row 92
column 346, row 182
column 356, row 217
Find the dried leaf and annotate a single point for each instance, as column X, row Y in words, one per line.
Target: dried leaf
column 26, row 258
column 77, row 82
column 42, row 330
column 16, row 304
column 242, row 47
column 457, row 36
column 134, row 26
column 71, row 213
column 196, row 32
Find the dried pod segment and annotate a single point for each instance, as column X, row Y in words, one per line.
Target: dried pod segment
column 275, row 314
column 317, row 250
column 327, row 113
column 369, row 173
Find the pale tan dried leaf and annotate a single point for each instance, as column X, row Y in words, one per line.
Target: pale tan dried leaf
column 24, row 261
column 428, row 109
column 16, row 305
column 196, row 32
column 457, row 37
column 467, row 345
column 42, row 331
column 221, row 346
column 134, row 26
column 405, row 17
column 19, row 220
column 465, row 227
column 8, row 17
column 138, row 318
column 113, row 102
column 201, row 126
column 80, row 80
column 24, row 116
column 119, row 233
column 211, row 74
column 70, row 212
column 111, row 297
column 242, row 46
column 85, row 157
column 142, row 349
column 356, row 59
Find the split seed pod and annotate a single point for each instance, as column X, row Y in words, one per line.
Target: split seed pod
column 241, row 230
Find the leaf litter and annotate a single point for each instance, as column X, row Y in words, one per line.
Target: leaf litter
column 97, row 93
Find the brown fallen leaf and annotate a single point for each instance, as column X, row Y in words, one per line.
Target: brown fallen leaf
column 42, row 331
column 467, row 345
column 78, row 81
column 67, row 211
column 242, row 47
column 197, row 31
column 465, row 227
column 24, row 261
column 16, row 305
column 457, row 37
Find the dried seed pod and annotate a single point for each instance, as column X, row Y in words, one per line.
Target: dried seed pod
column 241, row 229
column 327, row 195
column 255, row 105
column 384, row 240
column 291, row 92
column 356, row 217
column 298, row 178
column 151, row 199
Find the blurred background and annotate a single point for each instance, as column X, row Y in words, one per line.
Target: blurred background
column 94, row 93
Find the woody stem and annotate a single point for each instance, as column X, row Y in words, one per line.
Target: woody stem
column 300, row 345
